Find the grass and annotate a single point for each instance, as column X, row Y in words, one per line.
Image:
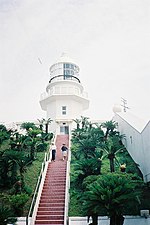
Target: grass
column 31, row 177
column 33, row 170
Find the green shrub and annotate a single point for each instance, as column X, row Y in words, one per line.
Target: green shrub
column 17, row 203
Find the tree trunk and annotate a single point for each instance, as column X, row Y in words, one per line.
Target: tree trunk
column 94, row 219
column 116, row 220
column 46, row 128
column 32, row 152
column 111, row 160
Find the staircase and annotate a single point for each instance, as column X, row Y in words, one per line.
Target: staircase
column 51, row 207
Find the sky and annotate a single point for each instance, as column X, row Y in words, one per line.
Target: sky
column 109, row 40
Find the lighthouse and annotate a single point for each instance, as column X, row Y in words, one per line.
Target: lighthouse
column 64, row 99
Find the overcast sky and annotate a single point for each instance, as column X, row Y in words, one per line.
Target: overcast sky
column 110, row 41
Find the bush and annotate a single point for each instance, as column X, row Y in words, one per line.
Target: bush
column 5, row 210
column 17, row 203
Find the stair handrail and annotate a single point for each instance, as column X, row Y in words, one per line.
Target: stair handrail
column 46, row 158
column 67, row 187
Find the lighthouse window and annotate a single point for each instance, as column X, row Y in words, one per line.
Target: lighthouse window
column 64, row 109
column 66, row 65
column 67, row 72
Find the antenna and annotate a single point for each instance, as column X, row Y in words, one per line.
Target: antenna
column 124, row 104
column 39, row 60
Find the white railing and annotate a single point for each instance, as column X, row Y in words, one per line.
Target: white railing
column 67, row 187
column 61, row 91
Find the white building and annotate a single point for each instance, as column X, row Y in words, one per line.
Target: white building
column 64, row 99
column 137, row 140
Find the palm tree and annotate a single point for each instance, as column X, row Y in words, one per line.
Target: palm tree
column 110, row 127
column 84, row 122
column 77, row 121
column 111, row 194
column 87, row 141
column 47, row 122
column 41, row 122
column 111, row 148
column 87, row 167
column 16, row 166
column 17, row 141
column 28, row 125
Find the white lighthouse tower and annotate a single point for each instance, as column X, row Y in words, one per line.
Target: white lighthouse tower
column 64, row 99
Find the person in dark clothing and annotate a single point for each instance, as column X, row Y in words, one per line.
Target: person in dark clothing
column 53, row 150
column 64, row 150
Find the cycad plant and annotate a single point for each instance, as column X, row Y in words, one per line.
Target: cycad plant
column 111, row 194
column 112, row 148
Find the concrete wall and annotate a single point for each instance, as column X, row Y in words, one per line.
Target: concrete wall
column 129, row 220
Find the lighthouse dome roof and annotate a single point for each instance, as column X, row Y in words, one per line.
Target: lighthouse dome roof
column 64, row 58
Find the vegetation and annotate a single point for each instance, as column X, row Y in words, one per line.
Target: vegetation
column 104, row 178
column 21, row 156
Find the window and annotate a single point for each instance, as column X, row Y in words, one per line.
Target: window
column 69, row 70
column 64, row 109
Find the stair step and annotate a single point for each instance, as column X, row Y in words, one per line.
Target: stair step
column 60, row 222
column 56, row 175
column 51, row 200
column 54, row 184
column 47, row 204
column 50, row 212
column 56, row 170
column 54, row 187
column 49, row 217
column 61, row 197
column 51, row 190
column 49, row 193
column 59, row 174
column 48, row 180
column 54, row 209
column 63, row 172
column 55, row 179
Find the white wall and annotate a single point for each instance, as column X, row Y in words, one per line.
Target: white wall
column 129, row 220
column 146, row 150
column 136, row 142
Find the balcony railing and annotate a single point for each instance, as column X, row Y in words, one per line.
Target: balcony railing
column 63, row 91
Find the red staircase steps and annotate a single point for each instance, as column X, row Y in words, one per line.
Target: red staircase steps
column 52, row 201
column 49, row 222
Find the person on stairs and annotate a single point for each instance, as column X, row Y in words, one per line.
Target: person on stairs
column 64, row 150
column 53, row 150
